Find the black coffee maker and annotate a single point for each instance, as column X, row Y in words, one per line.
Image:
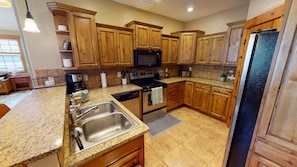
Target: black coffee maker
column 74, row 82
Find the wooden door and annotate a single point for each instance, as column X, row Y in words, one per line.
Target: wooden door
column 125, row 48
column 203, row 51
column 189, row 88
column 217, row 47
column 233, row 40
column 141, row 37
column 187, row 48
column 84, row 40
column 165, row 49
column 155, row 38
column 201, row 97
column 107, row 46
column 173, row 56
column 220, row 102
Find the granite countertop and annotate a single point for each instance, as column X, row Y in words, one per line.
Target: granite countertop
column 33, row 128
column 227, row 85
column 96, row 96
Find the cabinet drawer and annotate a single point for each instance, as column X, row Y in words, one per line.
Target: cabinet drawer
column 172, row 86
column 202, row 86
column 222, row 90
column 20, row 80
column 172, row 93
column 173, row 103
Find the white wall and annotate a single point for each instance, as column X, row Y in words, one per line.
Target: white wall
column 258, row 7
column 217, row 22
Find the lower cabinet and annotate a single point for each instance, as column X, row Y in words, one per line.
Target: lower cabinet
column 175, row 95
column 211, row 100
column 128, row 155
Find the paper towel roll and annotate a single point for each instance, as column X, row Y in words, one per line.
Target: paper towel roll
column 103, row 80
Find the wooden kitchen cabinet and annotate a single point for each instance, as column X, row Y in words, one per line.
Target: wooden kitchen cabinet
column 210, row 48
column 175, row 95
column 233, row 41
column 81, row 33
column 5, row 86
column 220, row 102
column 127, row 155
column 275, row 134
column 169, row 49
column 187, row 45
column 115, row 46
column 146, row 36
column 188, row 96
column 201, row 97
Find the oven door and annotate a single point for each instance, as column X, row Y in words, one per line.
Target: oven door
column 147, row 102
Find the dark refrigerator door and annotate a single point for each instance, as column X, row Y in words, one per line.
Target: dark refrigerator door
column 256, row 77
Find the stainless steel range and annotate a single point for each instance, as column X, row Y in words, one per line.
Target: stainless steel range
column 154, row 96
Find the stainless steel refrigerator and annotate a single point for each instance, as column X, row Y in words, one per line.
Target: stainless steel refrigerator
column 254, row 75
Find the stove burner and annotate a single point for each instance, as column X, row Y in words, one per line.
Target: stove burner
column 145, row 80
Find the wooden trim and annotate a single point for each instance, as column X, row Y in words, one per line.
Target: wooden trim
column 210, row 35
column 54, row 6
column 265, row 17
column 189, row 31
column 144, row 24
column 169, row 36
column 236, row 22
column 113, row 27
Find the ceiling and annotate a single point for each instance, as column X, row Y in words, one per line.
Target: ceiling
column 9, row 21
column 177, row 9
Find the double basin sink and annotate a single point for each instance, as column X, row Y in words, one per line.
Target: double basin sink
column 99, row 123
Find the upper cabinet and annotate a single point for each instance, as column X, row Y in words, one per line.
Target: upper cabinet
column 77, row 39
column 210, row 48
column 187, row 45
column 115, row 46
column 146, row 36
column 233, row 40
column 169, row 49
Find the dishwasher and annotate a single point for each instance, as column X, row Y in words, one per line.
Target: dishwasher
column 131, row 100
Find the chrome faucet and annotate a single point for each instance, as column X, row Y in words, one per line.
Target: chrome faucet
column 76, row 115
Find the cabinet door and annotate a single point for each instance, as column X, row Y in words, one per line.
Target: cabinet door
column 201, row 97
column 187, row 48
column 189, row 88
column 203, row 51
column 181, row 93
column 217, row 48
column 128, row 161
column 220, row 102
column 233, row 41
column 258, row 161
column 142, row 37
column 172, row 96
column 155, row 38
column 165, row 49
column 107, row 46
column 173, row 56
column 125, row 48
column 84, row 40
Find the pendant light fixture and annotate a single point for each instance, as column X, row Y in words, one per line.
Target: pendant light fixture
column 5, row 4
column 30, row 25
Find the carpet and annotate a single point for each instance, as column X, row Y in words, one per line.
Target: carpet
column 162, row 124
column 13, row 98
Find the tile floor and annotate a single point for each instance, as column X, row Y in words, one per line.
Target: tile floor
column 199, row 141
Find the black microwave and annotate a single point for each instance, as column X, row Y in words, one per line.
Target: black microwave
column 147, row 58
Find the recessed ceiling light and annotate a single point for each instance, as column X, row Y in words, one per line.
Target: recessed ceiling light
column 190, row 9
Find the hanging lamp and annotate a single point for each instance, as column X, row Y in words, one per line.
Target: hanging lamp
column 30, row 25
column 5, row 4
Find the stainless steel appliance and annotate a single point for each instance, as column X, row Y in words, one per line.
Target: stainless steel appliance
column 253, row 79
column 74, row 82
column 132, row 101
column 150, row 110
column 147, row 58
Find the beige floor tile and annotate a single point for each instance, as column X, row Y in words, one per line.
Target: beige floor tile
column 162, row 144
column 217, row 161
column 150, row 155
column 182, row 157
column 180, row 132
column 158, row 163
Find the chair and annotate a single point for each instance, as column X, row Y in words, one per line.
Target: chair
column 3, row 110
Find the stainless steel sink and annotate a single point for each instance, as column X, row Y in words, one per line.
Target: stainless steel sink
column 100, row 124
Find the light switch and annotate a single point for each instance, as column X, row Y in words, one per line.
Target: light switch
column 85, row 77
column 119, row 74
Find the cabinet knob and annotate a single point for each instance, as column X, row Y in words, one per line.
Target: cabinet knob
column 138, row 165
column 221, row 91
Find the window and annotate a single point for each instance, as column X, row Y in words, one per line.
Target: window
column 11, row 59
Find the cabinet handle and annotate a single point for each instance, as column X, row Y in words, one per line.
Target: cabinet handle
column 138, row 165
column 221, row 91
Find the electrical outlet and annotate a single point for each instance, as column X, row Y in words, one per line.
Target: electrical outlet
column 85, row 77
column 119, row 74
column 190, row 68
